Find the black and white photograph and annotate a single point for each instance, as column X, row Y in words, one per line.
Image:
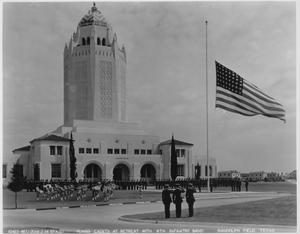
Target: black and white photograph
column 149, row 116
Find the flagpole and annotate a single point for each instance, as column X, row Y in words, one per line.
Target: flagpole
column 207, row 162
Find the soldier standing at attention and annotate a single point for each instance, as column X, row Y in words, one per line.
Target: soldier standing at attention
column 166, row 199
column 177, row 199
column 190, row 199
column 246, row 185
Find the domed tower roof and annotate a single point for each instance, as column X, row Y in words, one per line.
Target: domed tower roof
column 94, row 17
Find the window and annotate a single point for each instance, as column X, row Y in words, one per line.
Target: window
column 81, row 150
column 59, row 150
column 123, row 151
column 88, row 41
column 88, row 150
column 109, row 151
column 52, row 150
column 180, row 170
column 103, row 42
column 96, row 151
column 160, row 152
column 206, row 170
column 4, row 168
column 143, row 151
column 117, row 151
column 177, row 152
column 182, row 152
column 149, row 151
column 56, row 170
column 83, row 41
column 136, row 151
column 98, row 41
column 210, row 170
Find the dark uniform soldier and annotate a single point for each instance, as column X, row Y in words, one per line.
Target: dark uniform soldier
column 177, row 199
column 166, row 199
column 246, row 185
column 239, row 185
column 232, row 185
column 190, row 198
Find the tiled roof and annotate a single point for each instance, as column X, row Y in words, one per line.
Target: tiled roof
column 168, row 142
column 50, row 138
column 94, row 17
column 25, row 148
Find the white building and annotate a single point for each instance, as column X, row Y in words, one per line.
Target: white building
column 230, row 174
column 257, row 175
column 107, row 146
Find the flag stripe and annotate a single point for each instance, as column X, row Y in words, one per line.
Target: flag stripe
column 234, row 108
column 253, row 86
column 254, row 93
column 235, row 104
column 231, row 109
column 223, row 95
column 254, row 100
column 247, row 102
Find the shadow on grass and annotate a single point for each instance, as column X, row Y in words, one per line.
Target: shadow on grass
column 277, row 211
column 28, row 199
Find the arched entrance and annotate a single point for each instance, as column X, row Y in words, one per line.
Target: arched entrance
column 121, row 172
column 92, row 171
column 148, row 172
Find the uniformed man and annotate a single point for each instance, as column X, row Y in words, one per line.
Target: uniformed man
column 190, row 199
column 166, row 199
column 246, row 185
column 177, row 199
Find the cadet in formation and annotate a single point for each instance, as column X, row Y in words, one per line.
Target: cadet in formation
column 190, row 199
column 166, row 199
column 177, row 199
column 246, row 185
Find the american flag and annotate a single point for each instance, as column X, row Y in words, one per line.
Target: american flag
column 238, row 95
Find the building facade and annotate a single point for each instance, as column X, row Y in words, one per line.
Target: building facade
column 257, row 176
column 201, row 163
column 107, row 145
column 230, row 174
column 244, row 176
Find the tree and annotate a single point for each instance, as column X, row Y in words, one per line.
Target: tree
column 17, row 181
column 198, row 171
column 73, row 173
column 36, row 171
column 173, row 160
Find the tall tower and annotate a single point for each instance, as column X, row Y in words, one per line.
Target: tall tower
column 94, row 72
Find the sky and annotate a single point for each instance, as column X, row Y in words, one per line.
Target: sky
column 166, row 85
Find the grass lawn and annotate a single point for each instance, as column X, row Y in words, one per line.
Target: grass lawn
column 278, row 211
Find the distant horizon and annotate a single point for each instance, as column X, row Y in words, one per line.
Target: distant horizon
column 165, row 48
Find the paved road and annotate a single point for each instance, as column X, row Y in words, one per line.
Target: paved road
column 106, row 218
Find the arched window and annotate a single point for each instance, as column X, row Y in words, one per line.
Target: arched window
column 88, row 40
column 83, row 41
column 98, row 41
column 103, row 42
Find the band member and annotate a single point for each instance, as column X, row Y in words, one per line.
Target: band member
column 166, row 199
column 190, row 199
column 177, row 199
